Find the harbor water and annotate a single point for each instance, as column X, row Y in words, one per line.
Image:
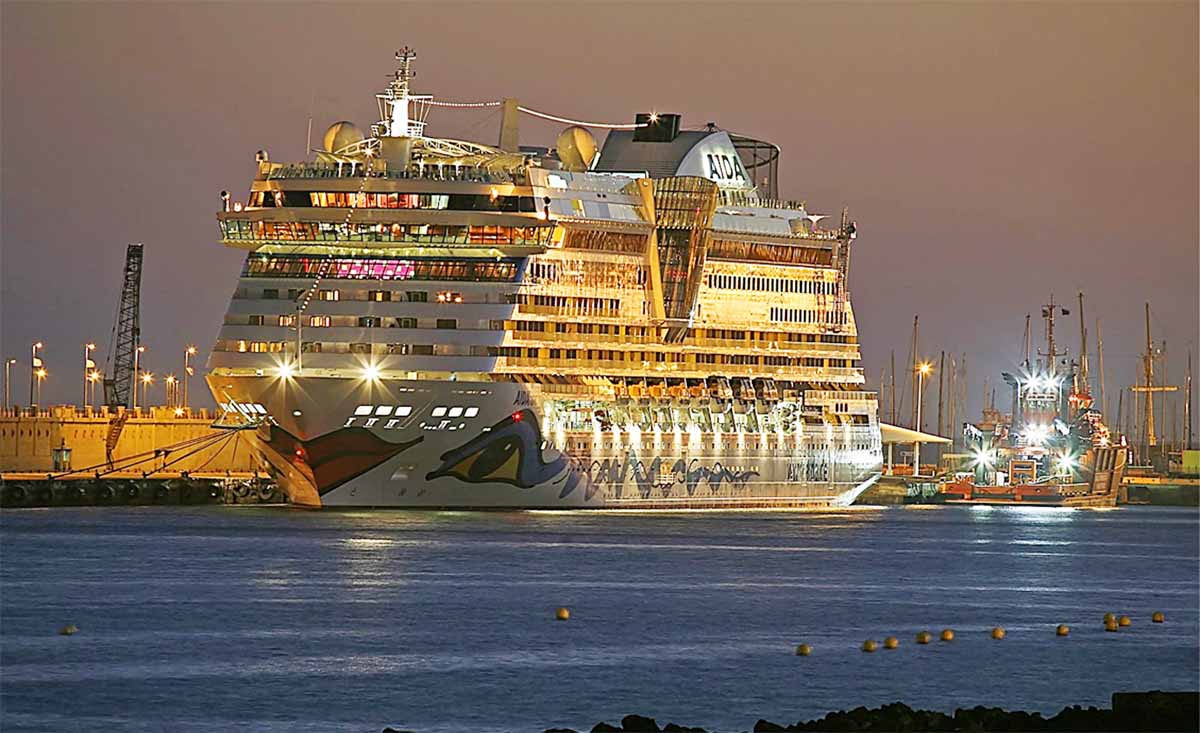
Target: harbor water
column 251, row 618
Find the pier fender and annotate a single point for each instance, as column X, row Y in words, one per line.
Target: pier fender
column 132, row 491
column 947, row 635
column 104, row 493
column 14, row 493
column 266, row 494
column 161, row 493
column 45, row 495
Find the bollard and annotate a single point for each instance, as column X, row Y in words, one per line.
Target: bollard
column 1158, row 617
column 562, row 614
column 947, row 635
column 1062, row 630
column 869, row 645
column 998, row 633
column 1124, row 621
column 924, row 637
column 891, row 642
column 803, row 650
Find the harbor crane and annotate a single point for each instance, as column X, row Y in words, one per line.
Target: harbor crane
column 122, row 356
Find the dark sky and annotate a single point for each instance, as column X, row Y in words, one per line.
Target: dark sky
column 991, row 154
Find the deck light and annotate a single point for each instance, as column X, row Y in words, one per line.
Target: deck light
column 371, row 373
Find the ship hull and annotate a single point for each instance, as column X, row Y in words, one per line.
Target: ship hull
column 337, row 442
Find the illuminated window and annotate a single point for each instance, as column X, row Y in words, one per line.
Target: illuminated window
column 363, row 410
column 447, row 296
column 403, row 410
column 456, row 412
column 379, row 296
column 368, row 322
column 383, row 410
column 360, row 348
column 318, row 321
column 438, row 412
column 330, row 295
column 471, row 412
column 287, row 321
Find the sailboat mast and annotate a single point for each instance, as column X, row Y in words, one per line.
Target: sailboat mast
column 1100, row 360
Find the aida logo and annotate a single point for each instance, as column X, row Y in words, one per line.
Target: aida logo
column 724, row 168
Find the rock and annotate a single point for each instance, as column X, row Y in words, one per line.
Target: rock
column 603, row 727
column 559, row 730
column 766, row 726
column 672, row 728
column 639, row 724
column 1155, row 710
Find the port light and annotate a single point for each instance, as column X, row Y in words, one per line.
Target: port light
column 371, row 373
column 286, row 370
column 516, row 416
column 984, row 458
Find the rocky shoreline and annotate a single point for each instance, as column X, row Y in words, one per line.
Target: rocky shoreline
column 1131, row 711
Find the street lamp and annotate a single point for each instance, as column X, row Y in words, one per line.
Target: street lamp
column 137, row 366
column 923, row 370
column 88, row 366
column 34, row 365
column 7, row 379
column 94, row 377
column 41, row 374
column 187, row 372
column 171, row 386
column 147, row 380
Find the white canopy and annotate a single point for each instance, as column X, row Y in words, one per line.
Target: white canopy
column 897, row 434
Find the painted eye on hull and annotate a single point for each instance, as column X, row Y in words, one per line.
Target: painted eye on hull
column 508, row 453
column 499, row 461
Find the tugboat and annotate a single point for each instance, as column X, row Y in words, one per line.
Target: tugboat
column 1054, row 449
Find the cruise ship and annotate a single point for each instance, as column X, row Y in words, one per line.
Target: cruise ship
column 431, row 322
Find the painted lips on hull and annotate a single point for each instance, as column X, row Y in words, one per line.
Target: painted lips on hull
column 330, row 460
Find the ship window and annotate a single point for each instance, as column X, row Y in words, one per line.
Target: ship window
column 422, row 350
column 447, row 323
column 403, row 410
column 287, row 321
column 362, row 410
column 256, row 320
column 438, row 412
column 383, row 410
column 330, row 295
column 368, row 322
column 379, row 296
column 471, row 412
column 446, row 296
column 417, row 296
column 407, row 322
column 456, row 412
column 293, row 293
column 270, row 294
column 318, row 321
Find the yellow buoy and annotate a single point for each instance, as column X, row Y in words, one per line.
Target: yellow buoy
column 68, row 630
column 1062, row 630
column 869, row 645
column 803, row 650
column 1109, row 618
column 1124, row 621
column 1110, row 625
column 562, row 614
column 1158, row 617
column 924, row 637
column 998, row 632
column 891, row 642
column 947, row 635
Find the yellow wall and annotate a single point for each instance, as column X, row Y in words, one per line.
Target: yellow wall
column 27, row 443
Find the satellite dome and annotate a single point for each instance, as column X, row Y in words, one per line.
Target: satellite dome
column 576, row 148
column 341, row 134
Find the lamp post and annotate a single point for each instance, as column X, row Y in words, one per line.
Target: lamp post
column 137, row 367
column 88, row 366
column 147, row 380
column 7, row 381
column 922, row 371
column 187, row 372
column 172, row 383
column 34, row 364
column 94, row 377
column 41, row 374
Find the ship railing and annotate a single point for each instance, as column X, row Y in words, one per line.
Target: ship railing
column 380, row 169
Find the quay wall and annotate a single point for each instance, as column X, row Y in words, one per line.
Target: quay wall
column 28, row 439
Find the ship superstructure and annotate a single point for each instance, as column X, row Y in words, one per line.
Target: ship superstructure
column 432, row 322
